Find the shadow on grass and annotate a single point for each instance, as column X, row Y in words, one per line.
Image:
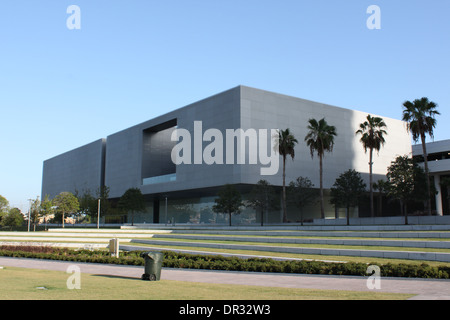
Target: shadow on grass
column 116, row 277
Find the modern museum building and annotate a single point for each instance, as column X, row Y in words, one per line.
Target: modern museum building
column 181, row 159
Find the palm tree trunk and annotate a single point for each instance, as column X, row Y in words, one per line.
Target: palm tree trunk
column 265, row 209
column 284, row 190
column 380, row 204
column 262, row 216
column 348, row 215
column 425, row 157
column 401, row 207
column 322, row 206
column 406, row 214
column 371, row 184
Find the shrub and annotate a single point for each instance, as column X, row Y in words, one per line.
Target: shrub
column 217, row 262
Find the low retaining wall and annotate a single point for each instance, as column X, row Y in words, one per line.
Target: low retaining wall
column 412, row 220
column 415, row 223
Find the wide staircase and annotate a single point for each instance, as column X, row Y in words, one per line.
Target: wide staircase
column 336, row 243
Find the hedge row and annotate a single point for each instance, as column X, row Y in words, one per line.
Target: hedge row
column 217, row 262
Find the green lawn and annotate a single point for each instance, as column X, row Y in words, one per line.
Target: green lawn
column 23, row 284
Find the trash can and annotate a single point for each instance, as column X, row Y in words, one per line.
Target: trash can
column 153, row 264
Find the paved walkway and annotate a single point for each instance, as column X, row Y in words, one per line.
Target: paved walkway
column 423, row 288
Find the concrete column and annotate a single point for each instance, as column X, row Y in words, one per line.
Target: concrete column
column 437, row 185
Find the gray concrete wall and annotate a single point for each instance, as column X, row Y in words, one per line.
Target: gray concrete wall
column 262, row 109
column 432, row 147
column 425, row 221
column 267, row 110
column 129, row 157
column 79, row 169
column 125, row 149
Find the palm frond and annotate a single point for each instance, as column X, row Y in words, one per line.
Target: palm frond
column 320, row 137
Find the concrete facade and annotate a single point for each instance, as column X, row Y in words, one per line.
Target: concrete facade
column 124, row 154
column 140, row 156
column 439, row 168
column 79, row 169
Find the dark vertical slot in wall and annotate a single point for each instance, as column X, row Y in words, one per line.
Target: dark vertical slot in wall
column 156, row 150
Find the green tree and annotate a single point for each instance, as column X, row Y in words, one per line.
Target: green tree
column 229, row 201
column 320, row 139
column 132, row 201
column 262, row 198
column 88, row 204
column 105, row 204
column 401, row 180
column 301, row 192
column 407, row 182
column 420, row 117
column 35, row 212
column 286, row 145
column 372, row 138
column 2, row 215
column 347, row 190
column 13, row 218
column 4, row 205
column 46, row 208
column 66, row 203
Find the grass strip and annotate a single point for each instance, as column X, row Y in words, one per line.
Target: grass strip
column 22, row 284
column 301, row 245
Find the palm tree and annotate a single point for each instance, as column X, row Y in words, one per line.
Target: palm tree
column 320, row 139
column 419, row 116
column 372, row 131
column 382, row 187
column 286, row 145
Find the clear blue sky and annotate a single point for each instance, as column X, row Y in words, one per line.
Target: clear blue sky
column 134, row 60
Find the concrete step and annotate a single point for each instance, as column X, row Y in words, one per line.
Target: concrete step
column 107, row 231
column 347, row 234
column 293, row 227
column 346, row 242
column 128, row 247
column 80, row 245
column 61, row 239
column 407, row 255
